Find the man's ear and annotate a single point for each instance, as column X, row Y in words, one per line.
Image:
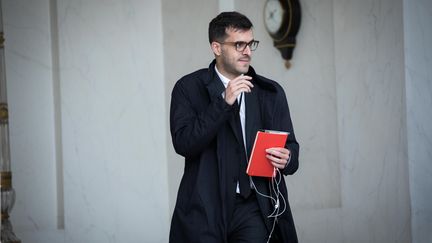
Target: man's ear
column 216, row 48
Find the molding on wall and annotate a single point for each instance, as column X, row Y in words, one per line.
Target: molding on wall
column 57, row 113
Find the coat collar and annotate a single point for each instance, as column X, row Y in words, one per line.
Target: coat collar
column 210, row 76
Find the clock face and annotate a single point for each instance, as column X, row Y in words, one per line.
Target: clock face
column 273, row 16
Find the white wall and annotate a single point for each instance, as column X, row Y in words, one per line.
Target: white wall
column 111, row 95
column 113, row 116
column 89, row 85
column 418, row 77
column 372, row 127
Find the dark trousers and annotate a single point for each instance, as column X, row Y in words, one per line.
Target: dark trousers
column 247, row 224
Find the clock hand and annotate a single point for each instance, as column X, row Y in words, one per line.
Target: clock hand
column 272, row 14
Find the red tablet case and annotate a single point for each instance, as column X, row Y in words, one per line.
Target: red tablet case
column 259, row 165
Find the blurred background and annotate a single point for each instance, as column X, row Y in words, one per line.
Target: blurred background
column 89, row 83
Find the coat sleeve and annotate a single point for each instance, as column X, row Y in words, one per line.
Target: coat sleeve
column 282, row 118
column 194, row 125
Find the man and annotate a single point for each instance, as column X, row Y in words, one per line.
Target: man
column 214, row 116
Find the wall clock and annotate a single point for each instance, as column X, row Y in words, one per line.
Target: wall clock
column 282, row 21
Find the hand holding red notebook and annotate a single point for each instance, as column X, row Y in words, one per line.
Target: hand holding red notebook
column 259, row 165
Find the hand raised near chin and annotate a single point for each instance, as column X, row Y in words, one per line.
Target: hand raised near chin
column 236, row 86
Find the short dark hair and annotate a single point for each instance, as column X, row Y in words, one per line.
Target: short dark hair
column 225, row 20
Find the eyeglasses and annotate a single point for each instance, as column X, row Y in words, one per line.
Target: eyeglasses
column 241, row 45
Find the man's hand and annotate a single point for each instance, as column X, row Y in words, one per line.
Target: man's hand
column 278, row 157
column 236, row 86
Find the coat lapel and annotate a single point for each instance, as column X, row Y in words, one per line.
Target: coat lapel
column 215, row 87
column 253, row 118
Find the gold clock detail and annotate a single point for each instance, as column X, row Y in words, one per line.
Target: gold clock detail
column 282, row 21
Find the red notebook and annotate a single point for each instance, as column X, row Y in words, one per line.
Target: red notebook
column 259, row 165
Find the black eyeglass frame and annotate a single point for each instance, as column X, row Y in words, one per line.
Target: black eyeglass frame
column 240, row 46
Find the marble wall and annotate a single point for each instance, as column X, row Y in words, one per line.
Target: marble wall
column 106, row 74
column 31, row 108
column 113, row 116
column 418, row 81
column 89, row 85
column 372, row 127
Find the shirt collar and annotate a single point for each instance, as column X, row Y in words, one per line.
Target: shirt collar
column 224, row 79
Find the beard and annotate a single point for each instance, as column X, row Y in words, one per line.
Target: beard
column 235, row 66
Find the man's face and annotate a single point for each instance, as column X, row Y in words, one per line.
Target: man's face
column 231, row 63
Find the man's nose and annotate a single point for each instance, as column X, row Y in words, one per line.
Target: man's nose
column 247, row 50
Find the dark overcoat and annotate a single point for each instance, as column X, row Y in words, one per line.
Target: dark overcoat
column 204, row 133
